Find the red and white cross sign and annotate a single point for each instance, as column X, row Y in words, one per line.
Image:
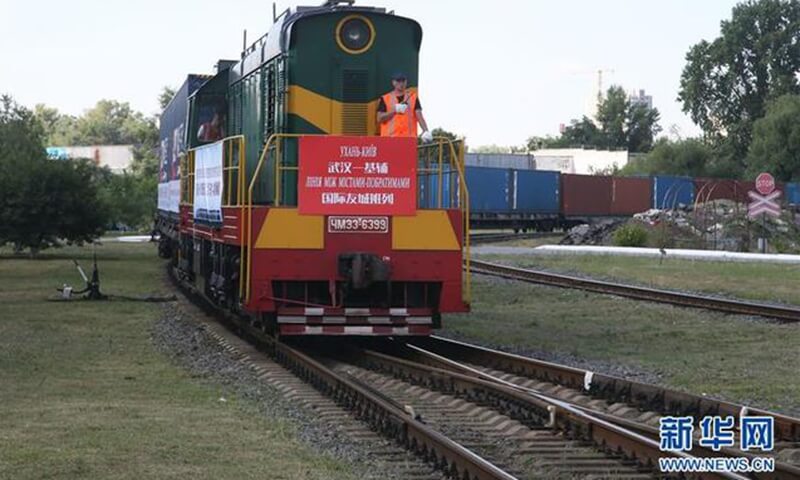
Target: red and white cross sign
column 764, row 204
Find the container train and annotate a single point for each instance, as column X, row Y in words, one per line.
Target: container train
column 525, row 199
column 277, row 200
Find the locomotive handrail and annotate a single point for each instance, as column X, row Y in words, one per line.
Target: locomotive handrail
column 245, row 263
column 188, row 172
column 456, row 159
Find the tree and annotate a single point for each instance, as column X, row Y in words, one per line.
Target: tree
column 581, row 133
column 619, row 124
column 548, row 141
column 42, row 201
column 690, row 157
column 493, row 148
column 111, row 122
column 166, row 95
column 132, row 199
column 641, row 127
column 776, row 140
column 441, row 132
column 612, row 117
column 726, row 83
column 59, row 129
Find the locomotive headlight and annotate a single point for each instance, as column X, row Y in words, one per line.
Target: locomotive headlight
column 355, row 34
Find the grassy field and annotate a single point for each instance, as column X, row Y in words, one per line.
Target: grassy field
column 85, row 394
column 756, row 281
column 703, row 352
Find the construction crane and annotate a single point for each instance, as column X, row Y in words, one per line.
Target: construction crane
column 600, row 72
column 600, row 91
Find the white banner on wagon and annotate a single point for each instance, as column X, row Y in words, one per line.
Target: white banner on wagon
column 208, row 184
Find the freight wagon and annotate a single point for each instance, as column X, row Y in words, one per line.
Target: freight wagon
column 525, row 199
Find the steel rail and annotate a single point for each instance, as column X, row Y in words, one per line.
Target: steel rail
column 782, row 471
column 478, row 237
column 614, row 389
column 532, row 407
column 742, row 307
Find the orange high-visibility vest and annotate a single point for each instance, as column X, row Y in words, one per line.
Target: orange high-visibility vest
column 401, row 124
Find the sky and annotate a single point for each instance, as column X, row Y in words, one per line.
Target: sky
column 495, row 72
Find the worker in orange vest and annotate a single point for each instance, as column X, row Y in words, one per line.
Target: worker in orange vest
column 399, row 111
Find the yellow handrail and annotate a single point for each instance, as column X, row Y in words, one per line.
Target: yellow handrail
column 457, row 158
column 227, row 146
column 245, row 263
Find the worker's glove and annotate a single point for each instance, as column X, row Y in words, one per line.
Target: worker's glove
column 427, row 136
column 400, row 108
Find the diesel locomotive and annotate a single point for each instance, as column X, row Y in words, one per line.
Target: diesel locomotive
column 278, row 201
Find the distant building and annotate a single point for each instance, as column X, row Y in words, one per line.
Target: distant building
column 520, row 161
column 117, row 158
column 579, row 160
column 564, row 160
column 640, row 98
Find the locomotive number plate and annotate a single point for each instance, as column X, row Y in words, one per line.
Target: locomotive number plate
column 348, row 224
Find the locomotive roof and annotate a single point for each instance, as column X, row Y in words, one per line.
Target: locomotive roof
column 276, row 41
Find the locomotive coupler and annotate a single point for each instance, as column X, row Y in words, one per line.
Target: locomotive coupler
column 363, row 269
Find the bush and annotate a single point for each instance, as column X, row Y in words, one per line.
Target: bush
column 42, row 202
column 630, row 235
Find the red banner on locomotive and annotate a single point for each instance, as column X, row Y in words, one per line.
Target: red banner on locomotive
column 357, row 175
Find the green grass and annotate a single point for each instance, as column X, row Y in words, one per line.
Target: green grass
column 84, row 393
column 755, row 281
column 748, row 361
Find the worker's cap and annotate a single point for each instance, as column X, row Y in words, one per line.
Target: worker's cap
column 399, row 76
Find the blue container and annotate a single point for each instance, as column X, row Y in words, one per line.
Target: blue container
column 536, row 191
column 792, row 193
column 671, row 191
column 428, row 189
column 488, row 189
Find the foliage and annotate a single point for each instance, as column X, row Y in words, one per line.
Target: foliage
column 776, row 140
column 59, row 129
column 612, row 116
column 619, row 125
column 43, row 201
column 131, row 200
column 726, row 83
column 166, row 95
column 494, row 148
column 641, row 127
column 581, row 132
column 690, row 157
column 630, row 235
column 610, row 170
column 548, row 141
column 441, row 132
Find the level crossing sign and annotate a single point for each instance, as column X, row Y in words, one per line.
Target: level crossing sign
column 764, row 201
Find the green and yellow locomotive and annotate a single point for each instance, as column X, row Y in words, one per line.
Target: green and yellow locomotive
column 279, row 200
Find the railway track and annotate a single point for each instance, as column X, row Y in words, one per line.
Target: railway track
column 380, row 413
column 470, row 412
column 478, row 238
column 635, row 404
column 742, row 307
column 528, row 405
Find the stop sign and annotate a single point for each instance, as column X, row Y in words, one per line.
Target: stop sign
column 765, row 183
